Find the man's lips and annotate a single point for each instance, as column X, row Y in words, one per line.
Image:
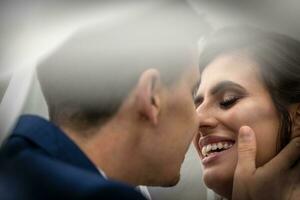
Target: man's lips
column 212, row 143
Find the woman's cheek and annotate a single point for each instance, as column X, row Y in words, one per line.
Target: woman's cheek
column 238, row 116
column 250, row 113
column 263, row 119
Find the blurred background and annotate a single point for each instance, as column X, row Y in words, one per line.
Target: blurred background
column 32, row 29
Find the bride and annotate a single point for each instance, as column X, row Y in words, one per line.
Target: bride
column 249, row 77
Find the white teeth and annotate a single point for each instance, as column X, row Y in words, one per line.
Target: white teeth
column 220, row 145
column 203, row 151
column 206, row 150
column 214, row 146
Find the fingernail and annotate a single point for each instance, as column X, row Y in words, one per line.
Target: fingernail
column 245, row 134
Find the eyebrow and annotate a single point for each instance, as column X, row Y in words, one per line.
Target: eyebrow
column 221, row 86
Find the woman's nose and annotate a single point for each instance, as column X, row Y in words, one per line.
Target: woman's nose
column 207, row 120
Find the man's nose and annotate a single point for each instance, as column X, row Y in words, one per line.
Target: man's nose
column 207, row 120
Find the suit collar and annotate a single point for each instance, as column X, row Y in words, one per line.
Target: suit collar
column 53, row 140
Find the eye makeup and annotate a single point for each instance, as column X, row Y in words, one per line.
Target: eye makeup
column 230, row 92
column 228, row 102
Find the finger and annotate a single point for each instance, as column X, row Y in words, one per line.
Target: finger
column 246, row 150
column 287, row 158
column 246, row 163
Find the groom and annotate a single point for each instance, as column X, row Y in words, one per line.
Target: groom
column 121, row 112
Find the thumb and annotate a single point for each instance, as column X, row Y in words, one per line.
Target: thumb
column 246, row 150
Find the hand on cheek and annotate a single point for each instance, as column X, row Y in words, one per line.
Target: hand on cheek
column 279, row 179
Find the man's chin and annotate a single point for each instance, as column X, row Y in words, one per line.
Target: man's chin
column 163, row 180
column 171, row 182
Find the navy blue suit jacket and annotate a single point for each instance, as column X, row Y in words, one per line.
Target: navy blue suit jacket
column 38, row 161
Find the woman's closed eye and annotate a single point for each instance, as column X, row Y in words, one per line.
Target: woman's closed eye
column 228, row 102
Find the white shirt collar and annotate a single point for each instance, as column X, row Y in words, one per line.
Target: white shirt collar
column 102, row 173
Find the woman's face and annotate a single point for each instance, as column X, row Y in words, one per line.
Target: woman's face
column 230, row 95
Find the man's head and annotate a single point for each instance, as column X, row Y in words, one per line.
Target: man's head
column 124, row 95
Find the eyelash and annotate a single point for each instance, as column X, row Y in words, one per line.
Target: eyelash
column 228, row 102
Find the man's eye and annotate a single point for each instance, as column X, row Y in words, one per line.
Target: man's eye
column 228, row 102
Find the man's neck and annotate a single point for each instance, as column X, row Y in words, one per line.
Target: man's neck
column 113, row 151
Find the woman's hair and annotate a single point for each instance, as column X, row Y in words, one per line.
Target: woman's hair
column 278, row 58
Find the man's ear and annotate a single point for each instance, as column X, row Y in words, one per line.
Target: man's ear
column 295, row 115
column 147, row 95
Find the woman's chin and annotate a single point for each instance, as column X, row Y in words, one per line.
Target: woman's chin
column 220, row 182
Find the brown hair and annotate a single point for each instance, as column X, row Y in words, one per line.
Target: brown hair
column 278, row 57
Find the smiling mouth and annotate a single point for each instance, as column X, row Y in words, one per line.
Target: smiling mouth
column 213, row 144
column 210, row 149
